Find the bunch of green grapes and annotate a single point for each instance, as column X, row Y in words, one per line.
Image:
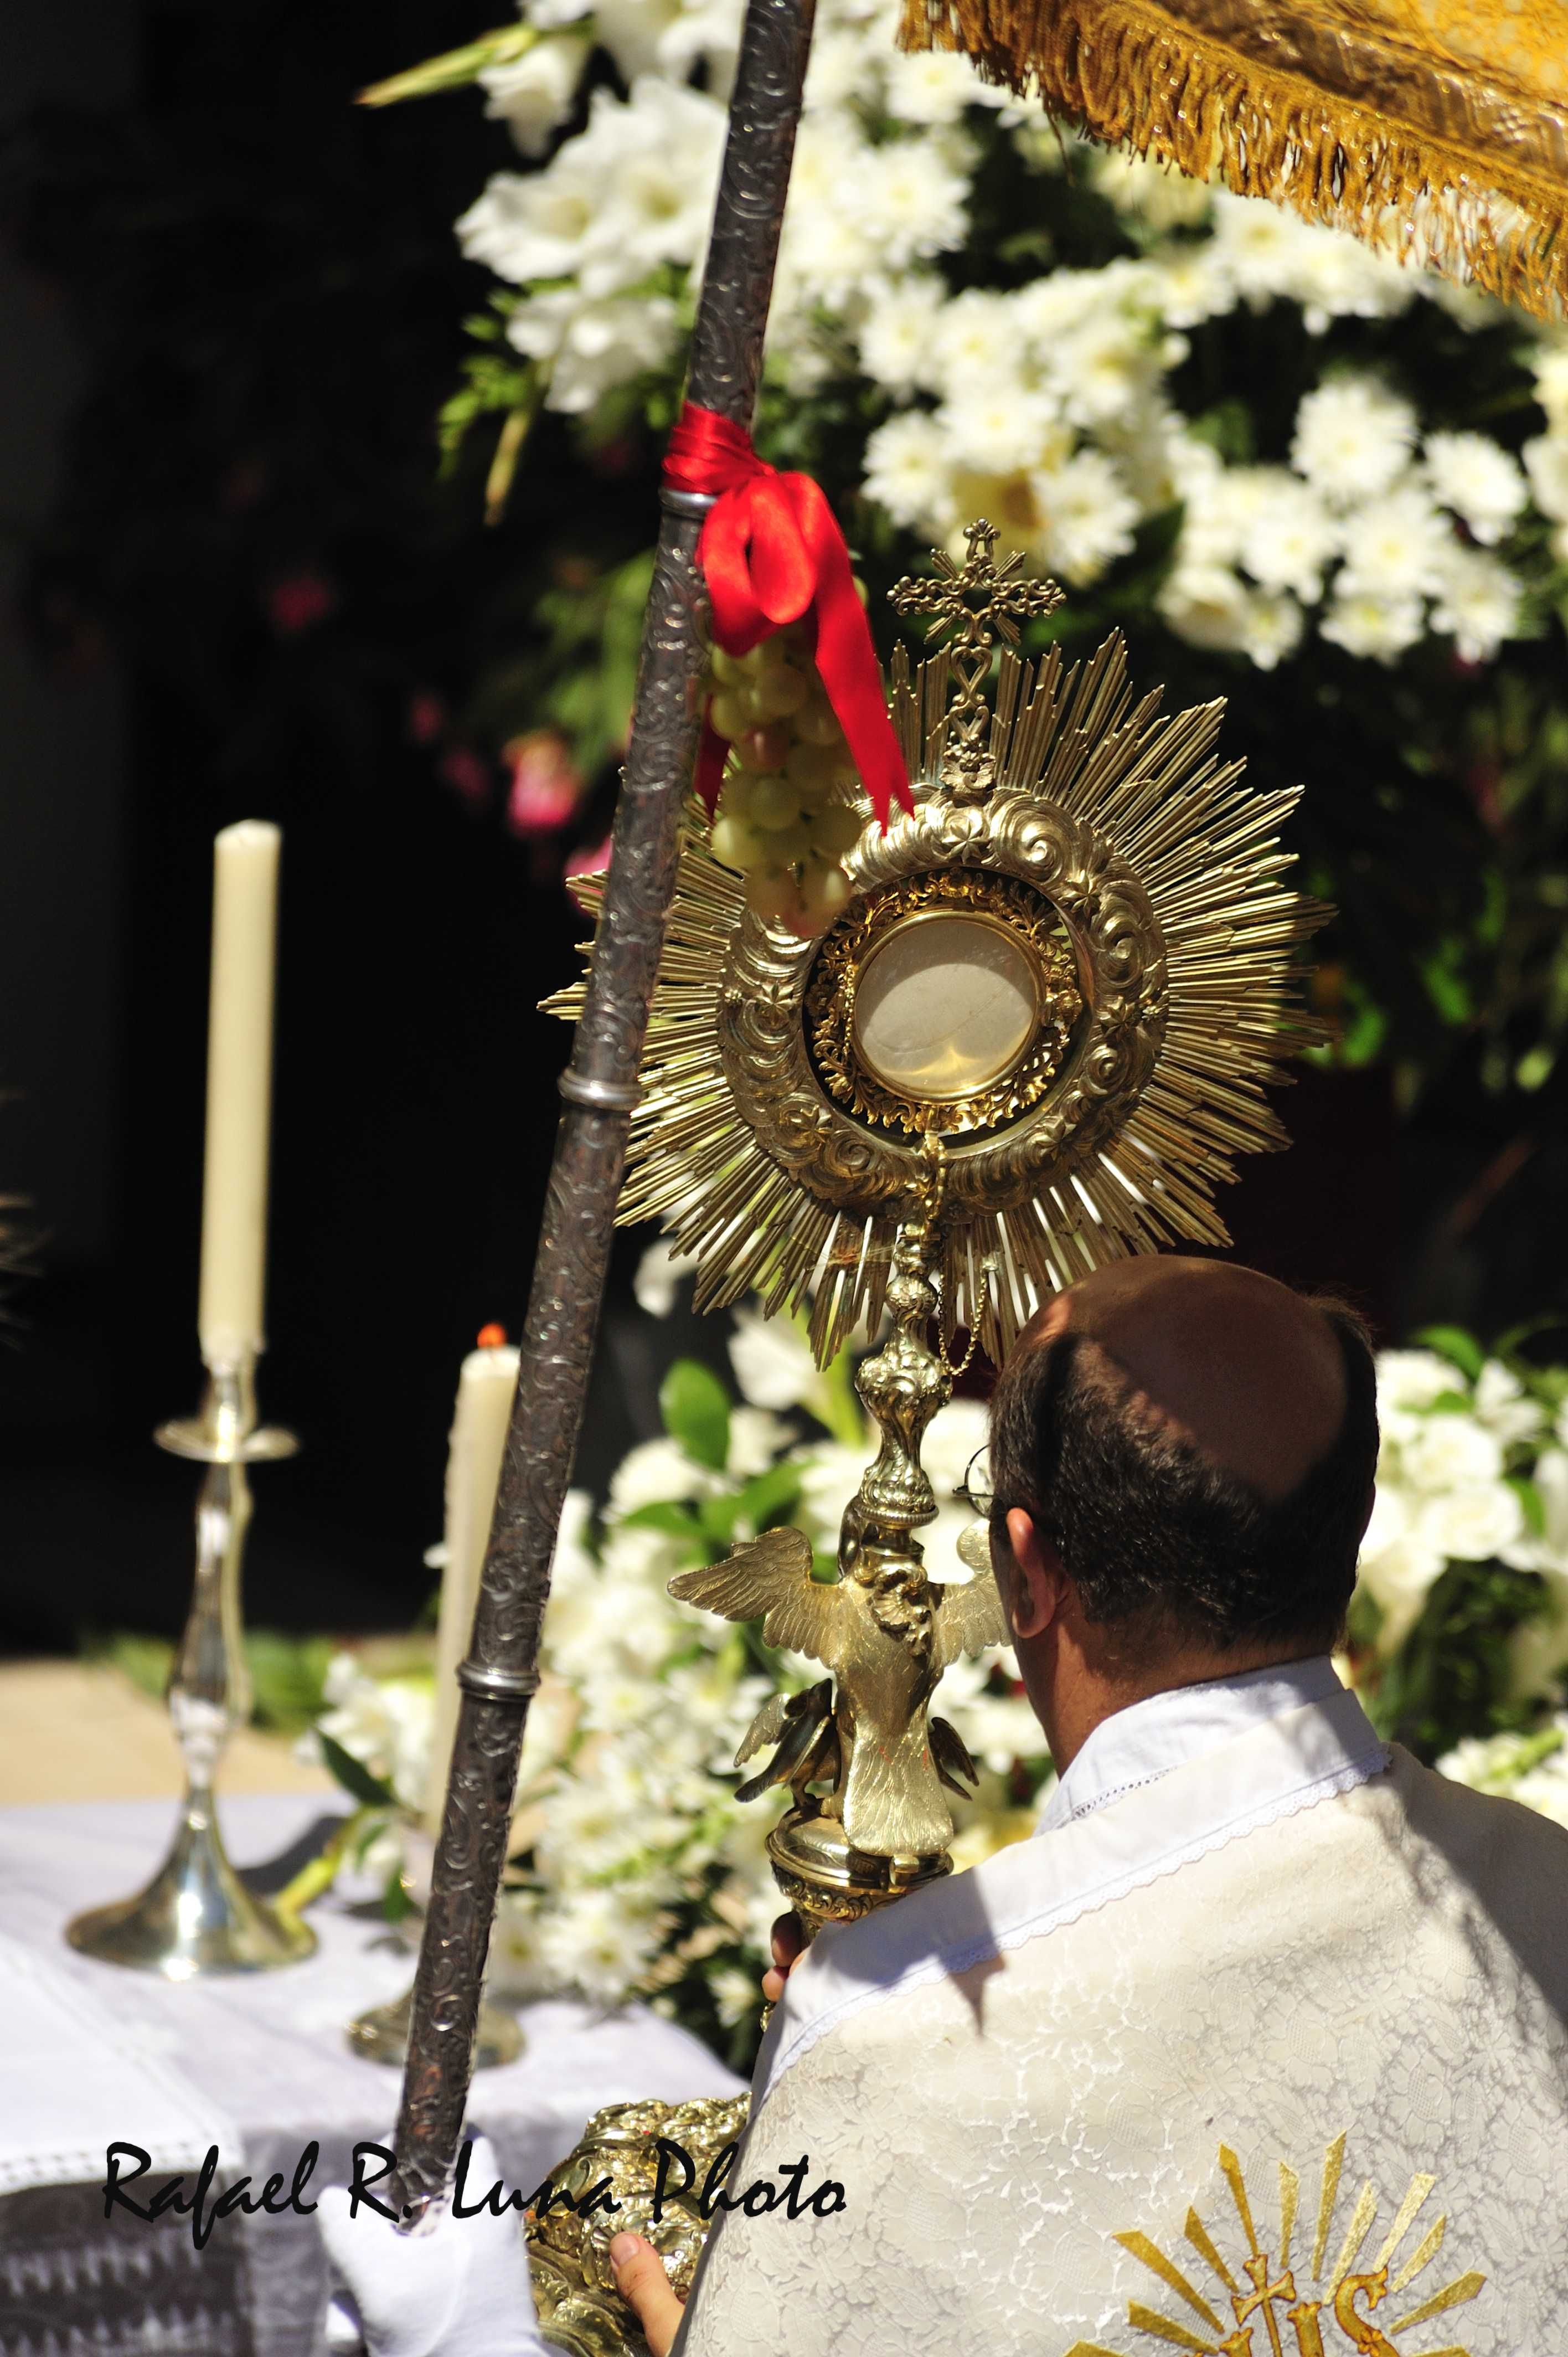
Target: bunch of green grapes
column 784, row 820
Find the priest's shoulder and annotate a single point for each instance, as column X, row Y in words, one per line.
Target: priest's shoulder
column 1511, row 1858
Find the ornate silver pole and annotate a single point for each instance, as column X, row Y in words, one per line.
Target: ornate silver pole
column 599, row 1087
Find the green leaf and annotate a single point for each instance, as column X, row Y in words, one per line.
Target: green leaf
column 371, row 1792
column 395, row 1901
column 288, row 1678
column 675, row 1522
column 1452, row 1342
column 767, row 1497
column 1532, row 1500
column 695, row 1409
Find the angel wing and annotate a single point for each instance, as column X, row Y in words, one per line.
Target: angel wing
column 770, row 1579
column 966, row 1617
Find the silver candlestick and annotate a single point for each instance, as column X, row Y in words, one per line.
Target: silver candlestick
column 196, row 1916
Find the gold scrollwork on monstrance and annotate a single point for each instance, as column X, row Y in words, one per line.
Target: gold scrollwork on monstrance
column 1031, row 1043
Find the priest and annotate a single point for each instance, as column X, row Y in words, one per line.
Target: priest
column 1261, row 2044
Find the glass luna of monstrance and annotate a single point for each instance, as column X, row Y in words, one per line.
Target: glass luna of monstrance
column 1030, row 1044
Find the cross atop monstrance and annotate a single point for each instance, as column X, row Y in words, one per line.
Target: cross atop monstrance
column 981, row 601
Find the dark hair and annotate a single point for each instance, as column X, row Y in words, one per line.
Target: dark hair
column 1156, row 1535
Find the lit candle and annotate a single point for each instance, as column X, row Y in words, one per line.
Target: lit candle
column 473, row 1472
column 238, row 1091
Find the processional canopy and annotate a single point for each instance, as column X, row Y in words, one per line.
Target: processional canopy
column 1065, row 979
column 1437, row 129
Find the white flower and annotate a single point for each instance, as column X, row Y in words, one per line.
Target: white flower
column 1546, row 464
column 897, row 333
column 735, row 1994
column 954, row 1435
column 1477, row 602
column 1273, row 631
column 907, row 471
column 1353, row 436
column 1450, row 1452
column 1399, row 1566
column 1289, row 536
column 535, row 93
column 592, row 346
column 773, row 1360
column 660, row 1274
column 1394, row 548
column 1195, row 284
column 655, row 1472
column 1480, row 482
column 1364, row 624
column 1000, row 427
column 1549, row 362
column 1473, row 1523
column 1155, row 193
column 1409, row 1381
column 596, row 1941
column 383, row 1723
column 756, row 1441
column 934, row 86
column 1504, row 1406
column 1206, row 603
column 829, row 1479
column 1086, row 516
column 975, row 334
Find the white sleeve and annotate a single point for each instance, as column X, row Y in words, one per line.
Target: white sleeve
column 453, row 2287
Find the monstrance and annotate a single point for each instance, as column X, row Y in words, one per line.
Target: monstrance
column 1030, row 1044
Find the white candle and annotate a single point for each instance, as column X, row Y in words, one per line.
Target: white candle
column 473, row 1472
column 239, row 1090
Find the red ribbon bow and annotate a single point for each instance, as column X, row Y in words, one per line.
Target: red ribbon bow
column 771, row 551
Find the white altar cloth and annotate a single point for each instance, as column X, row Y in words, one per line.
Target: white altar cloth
column 257, row 2063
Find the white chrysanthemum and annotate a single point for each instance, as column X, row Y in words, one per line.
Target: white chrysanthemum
column 1474, row 1521
column 592, row 346
column 596, row 1943
column 1000, row 427
column 1334, row 276
column 1102, row 369
column 908, row 471
column 1546, row 464
column 1206, row 603
column 383, row 1723
column 1481, row 483
column 660, row 1274
column 534, row 95
column 1549, row 363
column 1087, row 517
column 773, row 1360
column 1394, row 548
column 933, row 87
column 1380, row 628
column 1258, row 244
column 1477, row 602
column 1353, row 436
column 1289, row 536
column 1273, row 629
column 1156, row 194
column 975, row 336
column 1449, row 1451
column 1194, row 286
column 840, row 73
column 897, row 333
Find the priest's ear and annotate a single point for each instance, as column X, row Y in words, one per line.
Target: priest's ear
column 1030, row 1573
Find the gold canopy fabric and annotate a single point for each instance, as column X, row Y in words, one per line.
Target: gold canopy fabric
column 1438, row 128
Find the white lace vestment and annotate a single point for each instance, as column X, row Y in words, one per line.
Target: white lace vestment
column 1264, row 2001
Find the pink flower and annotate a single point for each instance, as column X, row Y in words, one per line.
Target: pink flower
column 468, row 777
column 591, row 860
column 427, row 717
column 546, row 783
column 298, row 601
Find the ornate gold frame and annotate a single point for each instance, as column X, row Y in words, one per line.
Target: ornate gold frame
column 847, row 957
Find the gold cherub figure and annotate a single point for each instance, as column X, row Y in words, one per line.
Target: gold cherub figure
column 884, row 1631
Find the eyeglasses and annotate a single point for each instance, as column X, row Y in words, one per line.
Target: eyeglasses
column 976, row 1489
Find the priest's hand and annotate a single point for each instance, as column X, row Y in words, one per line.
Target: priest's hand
column 453, row 2287
column 643, row 2285
column 789, row 1946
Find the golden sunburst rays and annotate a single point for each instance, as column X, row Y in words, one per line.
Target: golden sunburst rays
column 1290, row 2298
column 1168, row 877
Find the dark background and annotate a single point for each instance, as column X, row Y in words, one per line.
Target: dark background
column 230, row 310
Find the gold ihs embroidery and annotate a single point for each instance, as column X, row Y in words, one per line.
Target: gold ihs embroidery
column 1274, row 2314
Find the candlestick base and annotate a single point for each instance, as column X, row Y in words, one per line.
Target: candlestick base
column 194, row 1917
column 381, row 2034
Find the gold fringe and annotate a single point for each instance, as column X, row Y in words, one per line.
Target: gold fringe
column 1121, row 70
